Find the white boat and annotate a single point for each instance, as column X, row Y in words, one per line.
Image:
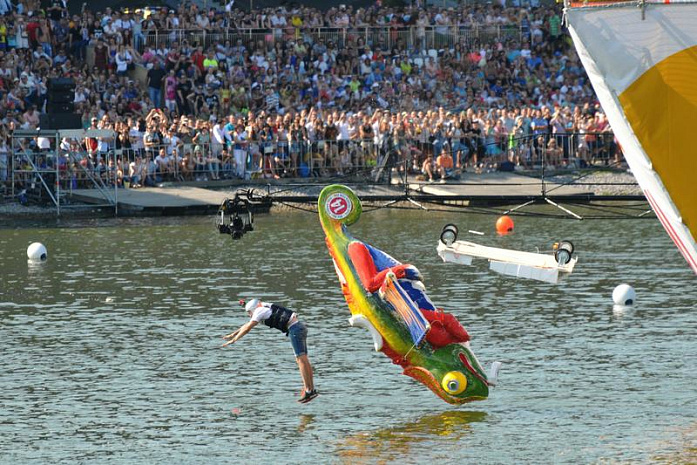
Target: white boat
column 530, row 265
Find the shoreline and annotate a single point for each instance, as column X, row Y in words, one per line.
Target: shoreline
column 606, row 183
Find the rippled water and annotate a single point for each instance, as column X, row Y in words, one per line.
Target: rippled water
column 111, row 349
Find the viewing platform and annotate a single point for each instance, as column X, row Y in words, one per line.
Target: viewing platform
column 205, row 197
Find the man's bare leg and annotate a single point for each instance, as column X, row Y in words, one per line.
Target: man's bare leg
column 305, row 372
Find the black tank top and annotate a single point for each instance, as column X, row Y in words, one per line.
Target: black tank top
column 280, row 316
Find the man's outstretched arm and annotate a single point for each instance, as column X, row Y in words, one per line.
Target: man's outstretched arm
column 237, row 335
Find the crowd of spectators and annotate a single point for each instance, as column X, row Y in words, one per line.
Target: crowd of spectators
column 297, row 91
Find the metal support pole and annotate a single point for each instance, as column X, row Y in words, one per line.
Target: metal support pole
column 578, row 217
column 116, row 184
column 56, row 161
column 544, row 155
column 12, row 164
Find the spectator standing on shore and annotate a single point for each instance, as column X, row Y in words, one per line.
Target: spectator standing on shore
column 155, row 79
column 164, row 166
column 151, row 139
column 171, row 91
column 101, row 55
column 218, row 133
column 135, row 172
column 123, row 61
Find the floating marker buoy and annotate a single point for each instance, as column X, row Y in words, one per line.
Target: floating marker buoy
column 36, row 252
column 624, row 294
column 504, row 225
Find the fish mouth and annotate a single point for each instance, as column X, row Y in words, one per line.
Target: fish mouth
column 426, row 377
column 471, row 369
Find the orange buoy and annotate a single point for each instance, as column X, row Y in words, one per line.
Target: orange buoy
column 504, row 225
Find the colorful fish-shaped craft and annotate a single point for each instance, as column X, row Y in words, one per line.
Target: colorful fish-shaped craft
column 388, row 298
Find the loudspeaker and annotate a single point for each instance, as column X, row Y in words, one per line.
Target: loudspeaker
column 61, row 94
column 59, row 84
column 53, row 107
column 60, row 121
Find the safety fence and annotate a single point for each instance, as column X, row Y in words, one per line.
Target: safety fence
column 64, row 169
column 578, row 150
column 477, row 153
column 374, row 159
column 45, row 165
column 271, row 159
column 364, row 159
column 4, row 167
column 384, row 37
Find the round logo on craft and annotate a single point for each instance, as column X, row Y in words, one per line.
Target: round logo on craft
column 339, row 206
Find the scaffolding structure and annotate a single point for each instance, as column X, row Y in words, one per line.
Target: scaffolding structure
column 63, row 167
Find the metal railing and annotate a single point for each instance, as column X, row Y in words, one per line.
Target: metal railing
column 51, row 163
column 367, row 160
column 385, row 37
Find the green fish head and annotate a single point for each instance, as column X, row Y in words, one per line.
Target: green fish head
column 452, row 372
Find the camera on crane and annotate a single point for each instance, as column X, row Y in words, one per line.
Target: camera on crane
column 235, row 216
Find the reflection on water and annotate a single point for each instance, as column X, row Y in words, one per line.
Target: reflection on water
column 397, row 444
column 111, row 349
column 683, row 449
column 305, row 422
column 35, row 269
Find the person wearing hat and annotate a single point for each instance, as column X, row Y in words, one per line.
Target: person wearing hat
column 286, row 321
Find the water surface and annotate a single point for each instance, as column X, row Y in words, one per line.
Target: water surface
column 111, row 349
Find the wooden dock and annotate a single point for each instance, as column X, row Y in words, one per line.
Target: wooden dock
column 497, row 185
column 486, row 189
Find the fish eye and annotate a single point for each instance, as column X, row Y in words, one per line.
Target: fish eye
column 454, row 382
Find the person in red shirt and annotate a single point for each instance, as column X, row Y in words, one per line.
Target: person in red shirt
column 91, row 143
column 32, row 32
column 173, row 60
column 197, row 58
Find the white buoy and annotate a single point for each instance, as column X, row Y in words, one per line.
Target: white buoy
column 36, row 252
column 624, row 295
